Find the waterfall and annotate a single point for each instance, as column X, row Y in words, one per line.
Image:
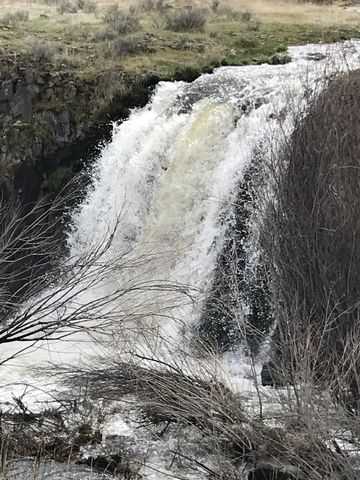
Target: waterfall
column 171, row 172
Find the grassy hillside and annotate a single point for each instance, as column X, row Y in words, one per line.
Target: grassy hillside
column 151, row 36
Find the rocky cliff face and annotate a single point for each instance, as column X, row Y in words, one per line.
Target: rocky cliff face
column 44, row 112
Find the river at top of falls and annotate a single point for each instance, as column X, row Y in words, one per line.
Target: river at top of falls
column 170, row 172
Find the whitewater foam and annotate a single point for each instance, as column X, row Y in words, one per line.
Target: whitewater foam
column 171, row 172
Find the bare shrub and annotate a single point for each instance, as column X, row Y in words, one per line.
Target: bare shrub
column 157, row 21
column 164, row 395
column 246, row 16
column 153, row 6
column 187, row 18
column 88, row 6
column 119, row 378
column 125, row 47
column 147, row 5
column 65, row 6
column 41, row 50
column 16, row 17
column 121, row 22
column 314, row 227
column 79, row 32
column 166, row 398
column 254, row 25
column 105, row 33
column 53, row 431
column 215, row 5
column 162, row 6
column 43, row 297
column 69, row 60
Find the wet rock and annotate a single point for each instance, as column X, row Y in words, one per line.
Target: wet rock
column 266, row 376
column 62, row 127
column 259, row 102
column 106, row 463
column 280, row 59
column 245, row 106
column 6, row 188
column 27, row 181
column 4, row 107
column 316, row 56
column 273, row 472
column 21, row 103
column 35, row 118
column 270, row 376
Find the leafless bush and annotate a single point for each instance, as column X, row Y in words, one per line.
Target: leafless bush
column 314, row 227
column 122, row 22
column 125, row 47
column 88, row 6
column 165, row 396
column 187, row 18
column 157, row 21
column 215, row 5
column 55, row 430
column 41, row 50
column 65, row 6
column 246, row 16
column 29, row 245
column 254, row 25
column 105, row 33
column 43, row 298
column 80, row 31
column 30, row 239
column 11, row 18
column 153, row 6
column 147, row 5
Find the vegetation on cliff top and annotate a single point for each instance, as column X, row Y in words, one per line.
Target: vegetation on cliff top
column 160, row 37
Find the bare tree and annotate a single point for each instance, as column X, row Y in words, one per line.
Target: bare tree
column 48, row 292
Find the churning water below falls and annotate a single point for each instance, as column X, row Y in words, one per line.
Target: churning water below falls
column 170, row 176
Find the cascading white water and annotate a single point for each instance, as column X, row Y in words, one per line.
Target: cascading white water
column 171, row 169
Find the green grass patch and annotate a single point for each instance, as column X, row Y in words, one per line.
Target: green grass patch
column 231, row 39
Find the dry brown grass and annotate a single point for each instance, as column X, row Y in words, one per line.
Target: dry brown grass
column 294, row 12
column 268, row 11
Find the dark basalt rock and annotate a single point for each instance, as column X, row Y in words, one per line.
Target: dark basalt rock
column 108, row 464
column 271, row 473
column 270, row 376
column 44, row 111
column 237, row 280
column 266, row 376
